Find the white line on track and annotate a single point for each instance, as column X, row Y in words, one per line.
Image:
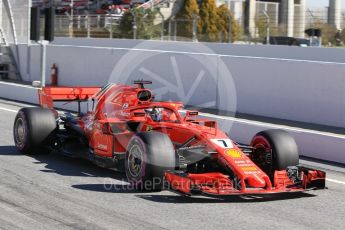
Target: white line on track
column 335, row 181
column 8, row 110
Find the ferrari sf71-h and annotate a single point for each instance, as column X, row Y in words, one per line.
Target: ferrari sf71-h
column 159, row 145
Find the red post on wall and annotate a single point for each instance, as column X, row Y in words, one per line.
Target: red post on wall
column 54, row 75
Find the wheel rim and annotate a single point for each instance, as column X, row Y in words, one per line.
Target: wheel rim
column 19, row 131
column 263, row 153
column 135, row 161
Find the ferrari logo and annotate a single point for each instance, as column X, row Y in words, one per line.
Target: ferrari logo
column 149, row 128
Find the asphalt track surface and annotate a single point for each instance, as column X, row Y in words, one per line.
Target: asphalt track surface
column 50, row 191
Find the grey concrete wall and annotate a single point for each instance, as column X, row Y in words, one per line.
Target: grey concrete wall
column 271, row 51
column 294, row 83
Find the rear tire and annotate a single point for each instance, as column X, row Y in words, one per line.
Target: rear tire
column 33, row 129
column 274, row 150
column 148, row 156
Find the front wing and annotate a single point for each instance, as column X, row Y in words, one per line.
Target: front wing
column 216, row 183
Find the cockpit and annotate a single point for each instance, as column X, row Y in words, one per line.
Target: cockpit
column 162, row 114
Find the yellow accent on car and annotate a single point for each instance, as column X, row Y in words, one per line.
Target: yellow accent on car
column 249, row 168
column 234, row 153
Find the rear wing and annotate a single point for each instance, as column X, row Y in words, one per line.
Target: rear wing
column 47, row 95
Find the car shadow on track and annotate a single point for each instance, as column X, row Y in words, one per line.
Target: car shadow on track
column 64, row 165
column 228, row 199
column 9, row 151
column 115, row 187
column 174, row 198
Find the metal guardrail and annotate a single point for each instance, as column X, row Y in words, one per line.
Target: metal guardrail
column 151, row 3
column 101, row 26
column 107, row 26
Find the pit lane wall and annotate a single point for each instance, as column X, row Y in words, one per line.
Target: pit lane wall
column 293, row 83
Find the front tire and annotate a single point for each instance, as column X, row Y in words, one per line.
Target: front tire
column 274, row 150
column 33, row 129
column 148, row 156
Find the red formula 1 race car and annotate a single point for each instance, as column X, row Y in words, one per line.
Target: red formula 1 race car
column 158, row 146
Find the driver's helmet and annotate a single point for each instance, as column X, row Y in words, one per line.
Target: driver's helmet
column 156, row 114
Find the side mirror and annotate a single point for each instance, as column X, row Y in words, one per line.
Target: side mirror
column 190, row 114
